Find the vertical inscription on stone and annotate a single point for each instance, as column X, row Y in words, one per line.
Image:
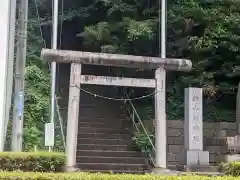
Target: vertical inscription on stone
column 193, row 119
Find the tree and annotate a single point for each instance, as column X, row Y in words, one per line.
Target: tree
column 205, row 31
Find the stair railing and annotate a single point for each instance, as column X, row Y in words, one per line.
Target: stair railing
column 133, row 113
column 60, row 122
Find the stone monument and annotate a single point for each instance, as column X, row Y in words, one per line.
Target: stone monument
column 193, row 129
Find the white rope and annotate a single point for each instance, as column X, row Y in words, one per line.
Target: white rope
column 115, row 99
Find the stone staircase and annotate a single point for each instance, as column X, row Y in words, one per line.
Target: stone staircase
column 105, row 136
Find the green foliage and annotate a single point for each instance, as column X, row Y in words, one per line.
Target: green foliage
column 37, row 81
column 175, row 107
column 37, row 97
column 232, row 169
column 142, row 141
column 36, row 161
column 205, row 31
column 99, row 176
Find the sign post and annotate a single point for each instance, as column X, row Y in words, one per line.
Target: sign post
column 49, row 135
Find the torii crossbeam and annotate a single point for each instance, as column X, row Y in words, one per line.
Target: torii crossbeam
column 118, row 60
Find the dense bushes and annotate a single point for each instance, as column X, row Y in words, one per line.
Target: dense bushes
column 33, row 163
column 99, row 176
column 232, row 169
column 37, row 162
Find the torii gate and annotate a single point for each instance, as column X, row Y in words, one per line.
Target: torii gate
column 77, row 58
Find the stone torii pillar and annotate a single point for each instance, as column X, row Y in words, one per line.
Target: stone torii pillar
column 128, row 61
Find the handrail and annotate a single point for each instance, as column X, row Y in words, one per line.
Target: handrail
column 134, row 112
column 60, row 122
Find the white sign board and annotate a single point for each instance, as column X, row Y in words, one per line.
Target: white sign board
column 193, row 122
column 49, row 134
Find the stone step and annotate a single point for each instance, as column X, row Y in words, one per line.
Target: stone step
column 118, row 171
column 99, row 159
column 89, row 102
column 94, row 124
column 105, row 136
column 105, row 120
column 112, row 167
column 108, row 153
column 103, row 147
column 99, row 101
column 103, row 130
column 104, row 141
column 201, row 168
column 96, row 112
column 89, row 105
column 98, row 104
column 93, row 115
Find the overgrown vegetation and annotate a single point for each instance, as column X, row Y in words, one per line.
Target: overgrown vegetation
column 142, row 141
column 205, row 31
